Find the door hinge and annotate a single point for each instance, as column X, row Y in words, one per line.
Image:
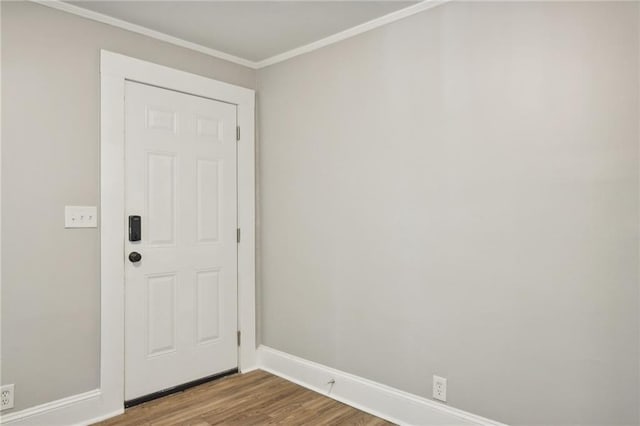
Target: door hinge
column 239, row 334
column 237, row 133
column 238, row 235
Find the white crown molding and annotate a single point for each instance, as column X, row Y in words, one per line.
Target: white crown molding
column 105, row 19
column 352, row 32
column 383, row 401
column 343, row 35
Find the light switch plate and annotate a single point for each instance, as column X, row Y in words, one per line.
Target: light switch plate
column 80, row 217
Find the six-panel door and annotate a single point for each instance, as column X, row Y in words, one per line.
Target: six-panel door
column 181, row 297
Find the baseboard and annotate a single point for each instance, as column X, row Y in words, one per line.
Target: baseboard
column 78, row 410
column 82, row 409
column 380, row 400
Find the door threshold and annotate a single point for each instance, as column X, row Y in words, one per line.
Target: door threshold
column 180, row 388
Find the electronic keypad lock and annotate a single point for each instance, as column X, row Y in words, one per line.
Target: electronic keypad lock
column 135, row 228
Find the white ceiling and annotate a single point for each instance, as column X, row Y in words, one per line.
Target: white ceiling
column 253, row 30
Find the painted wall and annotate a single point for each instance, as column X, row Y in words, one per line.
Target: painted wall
column 457, row 194
column 50, row 158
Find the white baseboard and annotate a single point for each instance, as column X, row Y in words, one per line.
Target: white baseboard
column 82, row 409
column 382, row 401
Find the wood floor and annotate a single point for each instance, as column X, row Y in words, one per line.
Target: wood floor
column 256, row 398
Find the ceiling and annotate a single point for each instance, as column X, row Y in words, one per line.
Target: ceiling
column 252, row 30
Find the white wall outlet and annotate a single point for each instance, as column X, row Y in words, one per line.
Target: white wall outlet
column 440, row 388
column 6, row 397
column 80, row 217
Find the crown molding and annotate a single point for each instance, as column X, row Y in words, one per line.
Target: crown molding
column 352, row 32
column 342, row 35
column 139, row 29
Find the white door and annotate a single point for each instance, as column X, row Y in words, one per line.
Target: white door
column 181, row 297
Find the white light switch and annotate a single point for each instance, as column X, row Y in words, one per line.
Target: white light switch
column 80, row 217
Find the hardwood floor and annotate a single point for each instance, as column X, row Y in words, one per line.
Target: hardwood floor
column 255, row 398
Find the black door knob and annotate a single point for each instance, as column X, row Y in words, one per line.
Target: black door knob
column 134, row 257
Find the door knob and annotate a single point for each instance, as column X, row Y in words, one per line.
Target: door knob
column 134, row 257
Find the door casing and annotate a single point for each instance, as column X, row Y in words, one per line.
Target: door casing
column 115, row 69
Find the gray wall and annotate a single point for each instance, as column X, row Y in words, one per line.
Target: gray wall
column 50, row 157
column 457, row 194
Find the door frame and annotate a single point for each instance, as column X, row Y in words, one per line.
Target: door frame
column 115, row 69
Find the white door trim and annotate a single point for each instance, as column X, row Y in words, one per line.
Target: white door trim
column 115, row 69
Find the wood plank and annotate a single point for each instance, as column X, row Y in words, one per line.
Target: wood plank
column 255, row 398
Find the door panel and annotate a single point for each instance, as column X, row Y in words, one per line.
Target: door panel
column 161, row 325
column 160, row 197
column 208, row 200
column 181, row 298
column 208, row 306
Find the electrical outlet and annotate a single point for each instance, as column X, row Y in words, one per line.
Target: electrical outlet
column 440, row 388
column 6, row 397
